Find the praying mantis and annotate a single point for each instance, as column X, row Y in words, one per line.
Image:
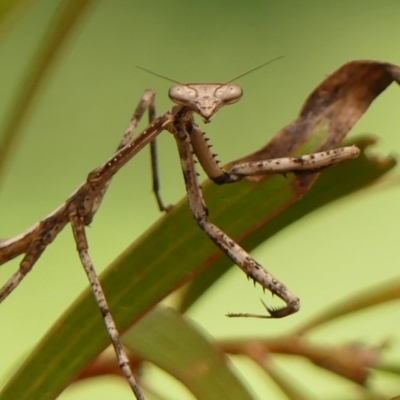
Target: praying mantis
column 205, row 100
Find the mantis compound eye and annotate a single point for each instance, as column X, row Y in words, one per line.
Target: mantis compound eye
column 229, row 94
column 181, row 94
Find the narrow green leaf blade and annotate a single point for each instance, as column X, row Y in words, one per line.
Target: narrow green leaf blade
column 173, row 343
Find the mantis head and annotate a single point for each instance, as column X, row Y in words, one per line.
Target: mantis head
column 205, row 98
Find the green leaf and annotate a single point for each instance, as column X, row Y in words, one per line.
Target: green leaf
column 55, row 40
column 173, row 343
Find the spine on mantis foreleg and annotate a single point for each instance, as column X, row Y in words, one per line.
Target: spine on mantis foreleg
column 205, row 156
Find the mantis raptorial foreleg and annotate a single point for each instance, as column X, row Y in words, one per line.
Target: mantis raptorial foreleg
column 236, row 253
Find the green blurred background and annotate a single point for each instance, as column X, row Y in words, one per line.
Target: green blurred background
column 85, row 106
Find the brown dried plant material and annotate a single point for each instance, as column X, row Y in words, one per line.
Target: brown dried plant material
column 351, row 361
column 331, row 110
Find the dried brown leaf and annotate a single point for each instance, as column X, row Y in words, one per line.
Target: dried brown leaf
column 329, row 113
